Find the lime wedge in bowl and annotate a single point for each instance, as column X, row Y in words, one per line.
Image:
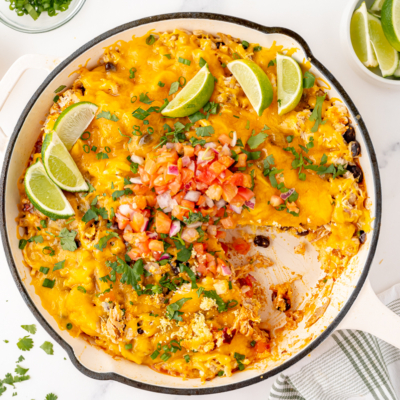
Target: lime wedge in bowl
column 391, row 22
column 290, row 83
column 73, row 121
column 60, row 166
column 360, row 38
column 254, row 82
column 44, row 194
column 388, row 57
column 376, row 7
column 193, row 96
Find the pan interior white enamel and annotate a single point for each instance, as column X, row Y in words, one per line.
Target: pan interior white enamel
column 286, row 264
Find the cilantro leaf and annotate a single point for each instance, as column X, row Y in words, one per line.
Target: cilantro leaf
column 118, row 193
column 173, row 309
column 204, row 131
column 102, row 244
column 36, row 239
column 316, row 114
column 107, row 115
column 191, row 275
column 68, row 239
column 29, row 328
column 48, row 348
column 197, row 116
column 309, row 80
column 51, row 396
column 21, row 371
column 252, row 155
column 59, row 265
column 212, row 294
column 174, row 87
column 255, row 141
column 144, row 98
column 194, row 141
column 25, row 344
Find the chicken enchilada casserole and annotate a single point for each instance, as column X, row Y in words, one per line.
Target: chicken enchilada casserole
column 147, row 162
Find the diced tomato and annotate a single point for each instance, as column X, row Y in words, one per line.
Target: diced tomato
column 179, row 197
column 161, row 189
column 228, row 223
column 163, row 222
column 241, row 246
column 179, row 212
column 151, row 199
column 292, row 207
column 212, row 266
column 140, row 189
column 175, row 185
column 179, row 147
column 238, row 201
column 242, row 158
column 122, row 224
column 137, row 221
column 188, row 204
column 144, row 176
column 139, row 203
column 201, row 186
column 224, row 247
column 150, row 166
column 275, row 201
column 134, row 254
column 190, row 235
column 247, row 194
column 188, row 151
column 199, row 248
column 187, row 174
column 202, row 269
column 160, row 181
column 229, row 191
column 168, row 157
column 197, row 149
column 206, row 176
column 143, row 247
column 201, row 201
column 224, row 139
column 214, row 192
column 261, row 347
column 217, row 168
column 247, row 181
column 221, row 212
column 156, row 245
column 146, row 213
column 107, row 296
column 226, row 161
column 221, row 235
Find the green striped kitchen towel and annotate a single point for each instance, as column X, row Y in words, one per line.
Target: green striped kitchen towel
column 349, row 365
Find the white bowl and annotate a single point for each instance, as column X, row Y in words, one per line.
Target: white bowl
column 372, row 75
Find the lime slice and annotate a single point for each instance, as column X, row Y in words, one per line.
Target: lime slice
column 60, row 166
column 387, row 56
column 397, row 72
column 376, row 8
column 360, row 37
column 290, row 83
column 73, row 121
column 391, row 22
column 193, row 96
column 254, row 82
column 45, row 195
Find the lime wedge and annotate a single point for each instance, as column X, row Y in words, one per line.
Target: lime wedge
column 397, row 72
column 290, row 83
column 376, row 7
column 45, row 195
column 391, row 22
column 360, row 37
column 73, row 121
column 193, row 96
column 387, row 56
column 254, row 82
column 60, row 166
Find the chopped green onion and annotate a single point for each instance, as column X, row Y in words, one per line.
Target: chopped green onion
column 150, row 40
column 44, row 270
column 87, row 136
column 184, row 61
column 48, row 283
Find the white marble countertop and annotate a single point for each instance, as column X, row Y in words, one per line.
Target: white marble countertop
column 318, row 22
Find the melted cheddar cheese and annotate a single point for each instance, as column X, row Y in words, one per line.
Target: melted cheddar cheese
column 205, row 341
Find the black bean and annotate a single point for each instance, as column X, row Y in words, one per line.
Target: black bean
column 356, row 171
column 355, row 148
column 362, row 236
column 140, row 331
column 218, row 44
column 349, row 135
column 78, row 243
column 262, row 241
column 304, row 233
column 110, row 67
column 175, row 269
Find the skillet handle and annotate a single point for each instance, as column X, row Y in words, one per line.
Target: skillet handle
column 369, row 314
column 13, row 75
